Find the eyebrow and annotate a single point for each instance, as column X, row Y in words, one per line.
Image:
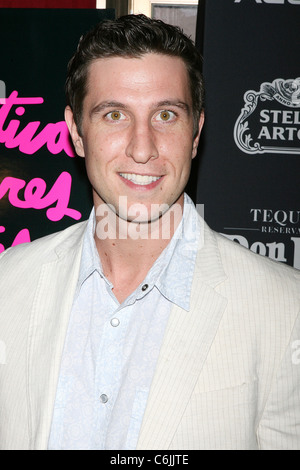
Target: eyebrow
column 118, row 105
column 106, row 104
column 176, row 103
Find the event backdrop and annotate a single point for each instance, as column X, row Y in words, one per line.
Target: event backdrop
column 43, row 187
column 249, row 171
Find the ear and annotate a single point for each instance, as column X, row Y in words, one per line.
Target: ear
column 76, row 139
column 197, row 138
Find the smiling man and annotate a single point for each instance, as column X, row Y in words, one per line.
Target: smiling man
column 137, row 137
column 137, row 129
column 141, row 328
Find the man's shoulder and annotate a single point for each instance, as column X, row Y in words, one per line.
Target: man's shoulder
column 50, row 260
column 42, row 248
column 240, row 260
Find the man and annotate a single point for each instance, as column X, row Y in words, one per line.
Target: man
column 142, row 328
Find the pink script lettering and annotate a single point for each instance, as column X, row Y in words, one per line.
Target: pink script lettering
column 54, row 135
column 35, row 197
column 22, row 237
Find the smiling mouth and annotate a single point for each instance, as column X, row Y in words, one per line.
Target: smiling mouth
column 141, row 180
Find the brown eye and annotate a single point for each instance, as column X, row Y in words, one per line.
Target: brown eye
column 115, row 115
column 165, row 115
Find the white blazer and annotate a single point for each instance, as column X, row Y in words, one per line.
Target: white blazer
column 228, row 374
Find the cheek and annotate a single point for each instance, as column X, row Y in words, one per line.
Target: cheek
column 95, row 164
column 178, row 143
column 98, row 151
column 110, row 148
column 181, row 159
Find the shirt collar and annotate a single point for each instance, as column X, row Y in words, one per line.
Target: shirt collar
column 90, row 261
column 177, row 262
column 172, row 273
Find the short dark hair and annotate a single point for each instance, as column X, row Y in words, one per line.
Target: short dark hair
column 132, row 36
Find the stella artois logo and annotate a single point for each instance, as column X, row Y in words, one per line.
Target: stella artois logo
column 269, row 122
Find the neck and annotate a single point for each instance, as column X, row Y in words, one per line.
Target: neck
column 128, row 249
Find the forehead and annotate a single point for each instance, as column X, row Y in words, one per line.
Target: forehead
column 149, row 76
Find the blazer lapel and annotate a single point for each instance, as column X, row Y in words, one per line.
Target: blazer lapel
column 47, row 330
column 186, row 344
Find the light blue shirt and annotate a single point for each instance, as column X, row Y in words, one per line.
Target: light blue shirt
column 111, row 349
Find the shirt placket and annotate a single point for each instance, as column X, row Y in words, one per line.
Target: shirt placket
column 109, row 369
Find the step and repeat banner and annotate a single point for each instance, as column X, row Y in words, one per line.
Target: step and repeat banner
column 247, row 178
column 43, row 186
column 249, row 161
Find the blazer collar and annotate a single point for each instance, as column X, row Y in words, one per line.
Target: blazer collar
column 209, row 267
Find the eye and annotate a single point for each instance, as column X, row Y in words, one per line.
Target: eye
column 115, row 116
column 166, row 116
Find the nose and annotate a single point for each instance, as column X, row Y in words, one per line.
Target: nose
column 141, row 146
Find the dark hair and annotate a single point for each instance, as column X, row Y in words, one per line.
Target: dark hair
column 132, row 36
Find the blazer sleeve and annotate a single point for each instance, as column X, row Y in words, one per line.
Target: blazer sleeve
column 279, row 427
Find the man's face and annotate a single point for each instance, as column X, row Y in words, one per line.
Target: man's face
column 137, row 131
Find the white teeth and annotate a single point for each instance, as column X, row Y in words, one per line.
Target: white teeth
column 139, row 179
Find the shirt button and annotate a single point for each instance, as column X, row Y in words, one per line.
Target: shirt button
column 115, row 322
column 145, row 287
column 103, row 398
